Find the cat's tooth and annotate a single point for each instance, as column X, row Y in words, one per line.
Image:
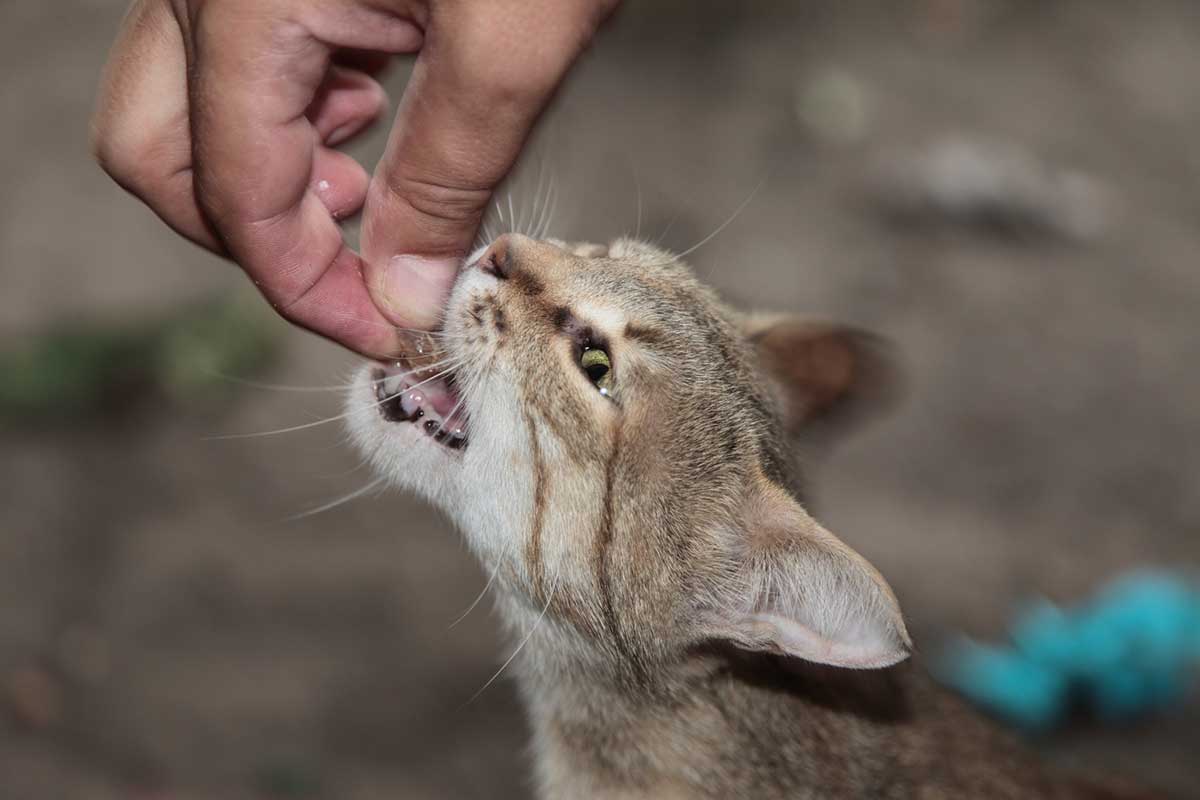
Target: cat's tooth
column 431, row 417
column 412, row 402
column 392, row 384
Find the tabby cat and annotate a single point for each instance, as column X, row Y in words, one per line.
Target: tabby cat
column 616, row 445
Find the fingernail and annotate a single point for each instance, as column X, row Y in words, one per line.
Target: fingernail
column 415, row 289
column 339, row 135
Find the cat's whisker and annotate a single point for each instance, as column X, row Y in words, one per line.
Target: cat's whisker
column 478, row 598
column 521, row 646
column 327, row 420
column 436, row 334
column 637, row 184
column 362, row 464
column 540, row 230
column 552, row 205
column 670, row 224
column 465, row 389
column 357, row 493
column 428, row 359
column 522, row 208
column 537, row 207
column 457, row 364
column 737, row 212
column 457, row 406
column 485, row 235
column 445, row 357
column 449, row 364
column 544, row 181
column 291, row 429
column 281, row 387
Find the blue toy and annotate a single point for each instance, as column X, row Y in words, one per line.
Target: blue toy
column 1132, row 649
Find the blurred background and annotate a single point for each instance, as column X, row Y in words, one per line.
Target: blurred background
column 1008, row 189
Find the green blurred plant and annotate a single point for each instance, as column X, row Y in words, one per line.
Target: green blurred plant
column 81, row 371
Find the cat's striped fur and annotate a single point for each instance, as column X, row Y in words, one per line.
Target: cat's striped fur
column 686, row 629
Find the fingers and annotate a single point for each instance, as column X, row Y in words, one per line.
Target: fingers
column 484, row 75
column 140, row 132
column 221, row 119
column 347, row 102
column 339, row 182
column 262, row 176
column 141, row 136
column 140, row 127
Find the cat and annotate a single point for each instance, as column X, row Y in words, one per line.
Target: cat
column 616, row 445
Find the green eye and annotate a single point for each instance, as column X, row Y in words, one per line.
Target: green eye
column 594, row 361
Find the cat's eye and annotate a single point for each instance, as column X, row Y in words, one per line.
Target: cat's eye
column 595, row 363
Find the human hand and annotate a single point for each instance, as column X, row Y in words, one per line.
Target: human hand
column 223, row 115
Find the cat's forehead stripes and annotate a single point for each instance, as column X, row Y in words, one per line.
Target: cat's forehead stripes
column 645, row 334
column 528, row 282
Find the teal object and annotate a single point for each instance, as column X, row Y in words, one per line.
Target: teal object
column 1133, row 648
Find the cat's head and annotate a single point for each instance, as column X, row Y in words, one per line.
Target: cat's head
column 619, row 455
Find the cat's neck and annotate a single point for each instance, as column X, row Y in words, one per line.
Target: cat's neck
column 723, row 723
column 600, row 729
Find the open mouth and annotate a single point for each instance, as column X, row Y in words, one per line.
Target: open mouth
column 408, row 391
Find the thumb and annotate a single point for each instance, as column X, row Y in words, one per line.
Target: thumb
column 484, row 75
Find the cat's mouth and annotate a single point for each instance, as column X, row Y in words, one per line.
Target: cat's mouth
column 423, row 397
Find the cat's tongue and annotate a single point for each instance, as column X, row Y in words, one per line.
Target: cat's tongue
column 433, row 395
column 439, row 395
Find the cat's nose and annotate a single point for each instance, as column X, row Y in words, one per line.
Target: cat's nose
column 500, row 257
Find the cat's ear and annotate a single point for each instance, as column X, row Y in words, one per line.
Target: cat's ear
column 799, row 591
column 821, row 371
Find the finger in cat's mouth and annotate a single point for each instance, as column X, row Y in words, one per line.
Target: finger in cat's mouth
column 423, row 398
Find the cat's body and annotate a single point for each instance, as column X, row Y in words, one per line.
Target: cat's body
column 734, row 726
column 614, row 443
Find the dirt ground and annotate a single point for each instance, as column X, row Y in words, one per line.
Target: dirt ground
column 164, row 634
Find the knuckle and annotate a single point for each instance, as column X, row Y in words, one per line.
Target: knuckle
column 445, row 205
column 523, row 86
column 100, row 144
column 125, row 158
column 139, row 157
column 108, row 148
